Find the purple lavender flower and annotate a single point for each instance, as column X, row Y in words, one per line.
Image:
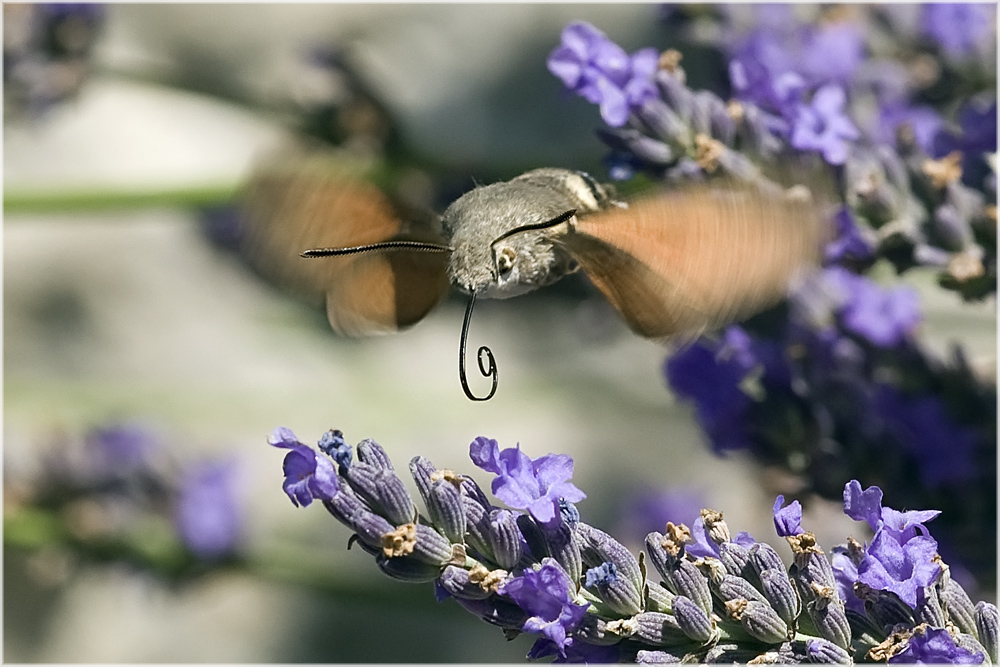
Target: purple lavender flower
column 823, row 126
column 934, row 646
column 333, row 445
column 866, row 505
column 535, row 485
column 575, row 652
column 923, row 122
column 787, row 520
column 904, row 568
column 603, row 73
column 776, row 94
column 705, row 547
column 845, row 574
column 958, row 28
column 307, row 476
column 883, row 316
column 208, row 515
column 545, row 595
column 977, row 134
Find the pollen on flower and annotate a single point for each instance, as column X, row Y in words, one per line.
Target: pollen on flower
column 803, row 543
column 448, row 476
column 401, row 541
column 707, row 152
column 670, row 61
column 735, row 608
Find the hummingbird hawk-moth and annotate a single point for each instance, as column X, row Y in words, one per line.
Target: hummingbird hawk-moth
column 675, row 262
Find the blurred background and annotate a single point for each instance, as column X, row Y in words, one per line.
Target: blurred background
column 143, row 356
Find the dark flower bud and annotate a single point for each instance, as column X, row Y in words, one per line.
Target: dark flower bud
column 533, row 536
column 594, row 630
column 371, row 452
column 958, row 606
column 343, row 504
column 692, row 619
column 658, row 598
column 759, row 620
column 444, row 506
column 497, row 611
column 630, row 141
column 617, row 592
column 780, row 592
column 505, row 539
column 658, row 629
column 333, row 445
column 732, row 588
column 477, row 525
column 658, row 556
column 863, row 629
column 407, row 569
column 824, row 652
column 732, row 654
column 382, row 490
column 830, row 618
column 986, row 627
column 455, row 580
column 563, row 544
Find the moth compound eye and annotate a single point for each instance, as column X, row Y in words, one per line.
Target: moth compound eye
column 505, row 260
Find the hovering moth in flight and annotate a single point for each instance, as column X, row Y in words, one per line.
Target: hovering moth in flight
column 675, row 262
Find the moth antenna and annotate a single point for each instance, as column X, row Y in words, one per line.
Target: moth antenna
column 418, row 246
column 490, row 372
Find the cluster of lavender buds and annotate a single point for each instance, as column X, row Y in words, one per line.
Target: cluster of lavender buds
column 46, row 53
column 535, row 567
column 118, row 496
column 895, row 109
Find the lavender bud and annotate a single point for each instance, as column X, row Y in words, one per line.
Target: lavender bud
column 497, row 611
column 929, row 609
column 455, row 580
column 824, row 652
column 759, row 620
column 764, row 557
column 676, row 95
column 384, row 492
column 421, row 469
column 830, row 619
column 665, row 123
column 444, row 505
column 343, row 504
column 780, row 592
column 477, row 526
column 952, row 227
column 656, row 658
column 598, row 547
column 692, row 619
column 615, row 591
column 658, row 629
column 658, row 598
column 732, row 588
column 958, row 606
column 471, row 490
column 431, row 547
column 686, row 579
column 732, row 654
column 862, row 628
column 533, row 537
column 564, row 545
column 409, row 570
column 631, row 141
column 718, row 529
column 735, row 557
column 505, row 538
column 986, row 627
column 371, row 452
column 658, row 556
column 369, row 527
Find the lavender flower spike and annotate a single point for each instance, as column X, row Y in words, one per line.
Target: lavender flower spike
column 823, row 126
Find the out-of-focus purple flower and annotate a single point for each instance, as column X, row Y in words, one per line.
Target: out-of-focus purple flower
column 700, row 374
column 944, row 450
column 977, row 120
column 935, row 646
column 575, row 652
column 603, row 73
column 208, row 515
column 959, row 28
column 903, row 568
column 307, row 476
column 646, row 510
column 832, row 53
column 848, row 244
column 823, row 126
column 776, row 94
column 787, row 520
column 883, row 316
column 545, row 595
column 922, row 122
column 122, row 449
column 535, row 485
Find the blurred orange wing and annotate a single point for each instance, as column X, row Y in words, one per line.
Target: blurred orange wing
column 695, row 258
column 292, row 205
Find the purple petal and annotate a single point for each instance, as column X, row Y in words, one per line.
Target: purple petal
column 863, row 505
column 787, row 520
